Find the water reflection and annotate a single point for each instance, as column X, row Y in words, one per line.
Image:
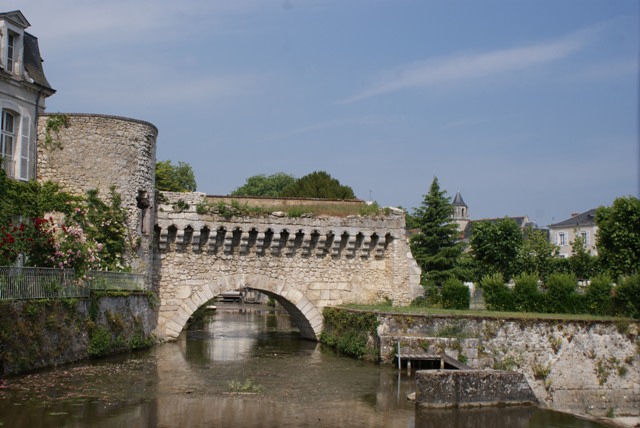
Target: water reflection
column 185, row 384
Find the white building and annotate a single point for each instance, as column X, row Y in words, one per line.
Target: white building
column 23, row 90
column 564, row 233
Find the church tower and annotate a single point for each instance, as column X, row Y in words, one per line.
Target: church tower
column 460, row 212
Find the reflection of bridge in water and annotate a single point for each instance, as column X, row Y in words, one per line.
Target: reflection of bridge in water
column 304, row 264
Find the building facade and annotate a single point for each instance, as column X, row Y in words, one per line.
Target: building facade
column 23, row 90
column 583, row 225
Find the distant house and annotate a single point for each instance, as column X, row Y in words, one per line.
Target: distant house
column 465, row 225
column 23, row 90
column 565, row 232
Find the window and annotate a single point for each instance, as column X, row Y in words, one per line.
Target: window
column 7, row 141
column 11, row 39
column 585, row 237
column 562, row 238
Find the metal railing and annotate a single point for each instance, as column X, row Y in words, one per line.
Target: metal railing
column 100, row 280
column 17, row 283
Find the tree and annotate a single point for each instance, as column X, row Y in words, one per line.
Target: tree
column 435, row 247
column 495, row 245
column 175, row 178
column 536, row 254
column 263, row 185
column 318, row 184
column 581, row 261
column 618, row 239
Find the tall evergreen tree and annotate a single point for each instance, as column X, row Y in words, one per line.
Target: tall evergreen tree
column 436, row 247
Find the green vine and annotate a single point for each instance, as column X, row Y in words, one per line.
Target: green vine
column 53, row 126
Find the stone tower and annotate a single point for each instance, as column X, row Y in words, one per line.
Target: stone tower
column 460, row 212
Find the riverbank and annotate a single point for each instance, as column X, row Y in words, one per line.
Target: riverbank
column 585, row 367
column 49, row 332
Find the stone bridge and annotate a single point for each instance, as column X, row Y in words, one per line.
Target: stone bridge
column 303, row 263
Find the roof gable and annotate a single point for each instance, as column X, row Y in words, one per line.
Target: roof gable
column 16, row 18
column 587, row 218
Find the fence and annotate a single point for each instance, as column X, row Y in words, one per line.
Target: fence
column 48, row 283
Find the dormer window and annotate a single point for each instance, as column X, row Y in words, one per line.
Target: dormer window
column 11, row 40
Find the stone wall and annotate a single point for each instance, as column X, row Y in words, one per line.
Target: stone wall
column 305, row 263
column 97, row 152
column 472, row 388
column 263, row 202
column 579, row 366
column 45, row 333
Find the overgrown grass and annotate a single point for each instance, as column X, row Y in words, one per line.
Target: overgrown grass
column 291, row 209
column 416, row 310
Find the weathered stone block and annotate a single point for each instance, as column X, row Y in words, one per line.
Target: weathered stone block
column 468, row 388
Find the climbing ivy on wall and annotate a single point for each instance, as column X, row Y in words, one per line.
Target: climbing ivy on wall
column 350, row 332
column 52, row 129
column 90, row 232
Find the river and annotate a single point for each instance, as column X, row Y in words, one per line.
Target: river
column 242, row 366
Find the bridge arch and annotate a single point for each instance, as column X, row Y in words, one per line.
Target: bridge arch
column 306, row 316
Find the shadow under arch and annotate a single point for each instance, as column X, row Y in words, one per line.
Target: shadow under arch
column 306, row 316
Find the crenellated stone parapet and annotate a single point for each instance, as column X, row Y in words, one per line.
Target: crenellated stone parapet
column 306, row 263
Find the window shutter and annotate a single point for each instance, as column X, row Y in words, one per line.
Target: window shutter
column 25, row 148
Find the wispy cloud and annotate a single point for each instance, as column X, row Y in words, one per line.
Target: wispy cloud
column 317, row 127
column 469, row 66
column 463, row 123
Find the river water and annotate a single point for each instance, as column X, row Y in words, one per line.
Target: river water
column 243, row 366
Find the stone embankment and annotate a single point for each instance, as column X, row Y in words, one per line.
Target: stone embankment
column 46, row 333
column 583, row 367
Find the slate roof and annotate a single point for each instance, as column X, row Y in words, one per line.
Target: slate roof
column 458, row 201
column 33, row 62
column 32, row 59
column 587, row 218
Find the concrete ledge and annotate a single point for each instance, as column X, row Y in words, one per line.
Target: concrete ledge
column 472, row 388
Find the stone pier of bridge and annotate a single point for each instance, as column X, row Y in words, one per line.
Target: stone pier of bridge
column 303, row 263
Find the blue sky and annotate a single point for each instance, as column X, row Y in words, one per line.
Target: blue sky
column 526, row 107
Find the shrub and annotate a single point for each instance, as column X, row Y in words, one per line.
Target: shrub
column 432, row 294
column 597, row 298
column 455, row 295
column 526, row 296
column 626, row 300
column 561, row 296
column 497, row 296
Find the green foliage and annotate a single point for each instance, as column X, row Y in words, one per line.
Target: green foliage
column 496, row 245
column 263, row 185
column 561, row 295
column 202, row 208
column 106, row 223
column 180, row 206
column 101, row 342
column 581, row 261
column 31, row 199
column 295, row 212
column 435, row 246
column 248, row 386
column 54, row 124
column 597, row 298
column 175, row 178
column 536, row 255
column 318, row 184
column 349, row 332
column 526, row 295
column 497, row 296
column 626, row 300
column 618, row 238
column 455, row 295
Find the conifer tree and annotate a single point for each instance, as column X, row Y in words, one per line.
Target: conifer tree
column 436, row 247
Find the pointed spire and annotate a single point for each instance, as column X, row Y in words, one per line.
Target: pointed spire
column 458, row 201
